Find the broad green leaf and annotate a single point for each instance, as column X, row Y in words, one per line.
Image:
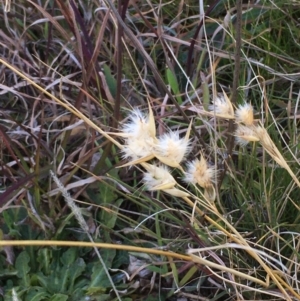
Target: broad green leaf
column 44, row 259
column 8, row 273
column 23, row 268
column 75, row 270
column 69, row 256
column 99, row 277
column 172, row 81
column 59, row 297
column 55, row 282
column 8, row 218
column 109, row 217
column 43, row 280
column 110, row 80
column 37, row 293
column 19, row 291
column 106, row 196
column 79, row 294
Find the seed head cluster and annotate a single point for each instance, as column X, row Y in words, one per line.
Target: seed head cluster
column 171, row 149
column 244, row 114
column 248, row 130
column 141, row 145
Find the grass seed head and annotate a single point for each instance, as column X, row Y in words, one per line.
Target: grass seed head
column 269, row 146
column 139, row 136
column 198, row 172
column 138, row 126
column 138, row 148
column 222, row 107
column 245, row 134
column 158, row 177
column 244, row 114
column 171, row 149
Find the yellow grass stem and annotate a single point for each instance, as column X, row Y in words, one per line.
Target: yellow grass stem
column 81, row 244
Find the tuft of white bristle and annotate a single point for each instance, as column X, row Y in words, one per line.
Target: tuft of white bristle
column 138, row 125
column 198, row 172
column 244, row 114
column 222, row 107
column 158, row 178
column 139, row 136
column 171, row 149
column 245, row 134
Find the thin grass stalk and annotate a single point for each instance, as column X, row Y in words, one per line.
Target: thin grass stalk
column 250, row 252
column 161, row 84
column 84, row 226
column 83, row 244
column 240, row 240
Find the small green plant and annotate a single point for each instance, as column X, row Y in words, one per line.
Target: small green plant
column 59, row 275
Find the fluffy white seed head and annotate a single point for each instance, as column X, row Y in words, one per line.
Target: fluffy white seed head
column 139, row 136
column 138, row 125
column 198, row 172
column 245, row 134
column 244, row 114
column 171, row 149
column 138, row 148
column 158, row 177
column 222, row 107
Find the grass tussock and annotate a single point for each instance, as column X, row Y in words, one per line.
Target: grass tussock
column 149, row 151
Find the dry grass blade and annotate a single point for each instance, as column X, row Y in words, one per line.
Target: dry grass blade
column 65, row 104
column 273, row 151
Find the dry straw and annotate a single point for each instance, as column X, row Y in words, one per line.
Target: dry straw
column 272, row 150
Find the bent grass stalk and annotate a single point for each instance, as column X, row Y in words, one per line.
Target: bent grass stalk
column 81, row 244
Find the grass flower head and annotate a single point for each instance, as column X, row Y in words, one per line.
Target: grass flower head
column 139, row 133
column 139, row 125
column 222, row 107
column 171, row 149
column 198, row 172
column 244, row 114
column 245, row 134
column 160, row 178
